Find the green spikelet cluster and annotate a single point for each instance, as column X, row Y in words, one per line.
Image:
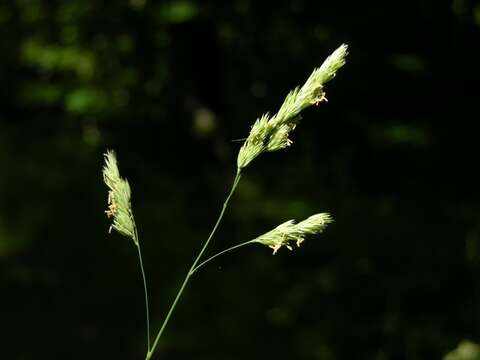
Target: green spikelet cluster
column 288, row 232
column 271, row 133
column 119, row 198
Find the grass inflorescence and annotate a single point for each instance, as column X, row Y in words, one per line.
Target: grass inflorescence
column 268, row 133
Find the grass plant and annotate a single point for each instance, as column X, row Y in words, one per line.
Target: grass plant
column 268, row 133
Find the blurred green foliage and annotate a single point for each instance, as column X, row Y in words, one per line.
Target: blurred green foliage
column 170, row 85
column 466, row 350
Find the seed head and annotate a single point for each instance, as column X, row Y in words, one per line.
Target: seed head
column 271, row 133
column 119, row 198
column 289, row 233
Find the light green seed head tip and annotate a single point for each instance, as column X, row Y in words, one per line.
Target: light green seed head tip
column 328, row 69
column 271, row 133
column 119, row 198
column 288, row 232
column 315, row 224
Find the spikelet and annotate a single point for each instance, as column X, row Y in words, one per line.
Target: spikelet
column 271, row 133
column 119, row 198
column 288, row 232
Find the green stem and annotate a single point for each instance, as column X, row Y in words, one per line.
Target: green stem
column 189, row 273
column 220, row 253
column 144, row 278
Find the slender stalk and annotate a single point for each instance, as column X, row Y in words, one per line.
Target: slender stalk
column 195, row 262
column 144, row 278
column 220, row 253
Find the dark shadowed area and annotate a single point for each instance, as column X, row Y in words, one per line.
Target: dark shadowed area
column 170, row 86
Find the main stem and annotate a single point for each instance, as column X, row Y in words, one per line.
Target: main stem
column 147, row 312
column 190, row 271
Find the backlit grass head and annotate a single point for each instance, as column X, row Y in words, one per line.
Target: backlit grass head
column 270, row 133
column 119, row 198
column 290, row 233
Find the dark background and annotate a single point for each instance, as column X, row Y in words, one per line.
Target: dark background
column 393, row 156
